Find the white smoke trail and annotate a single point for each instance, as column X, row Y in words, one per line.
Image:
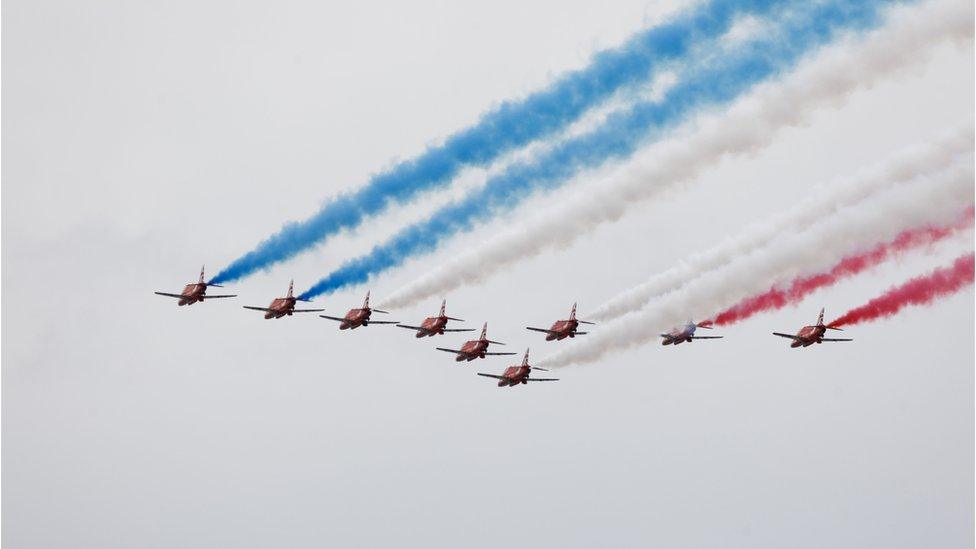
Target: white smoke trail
column 906, row 40
column 927, row 198
column 953, row 148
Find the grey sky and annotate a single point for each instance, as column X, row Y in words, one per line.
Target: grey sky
column 141, row 140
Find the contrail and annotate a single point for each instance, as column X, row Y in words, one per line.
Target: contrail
column 751, row 124
column 778, row 297
column 926, row 199
column 923, row 290
column 715, row 82
column 508, row 127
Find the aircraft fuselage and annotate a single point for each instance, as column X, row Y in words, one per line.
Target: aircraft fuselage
column 281, row 306
column 192, row 293
column 432, row 326
column 514, row 375
column 680, row 335
column 808, row 335
column 561, row 329
column 355, row 318
column 471, row 350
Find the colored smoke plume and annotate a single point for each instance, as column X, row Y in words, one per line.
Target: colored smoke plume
column 753, row 122
column 714, row 83
column 926, row 199
column 510, row 126
column 922, row 290
column 851, row 265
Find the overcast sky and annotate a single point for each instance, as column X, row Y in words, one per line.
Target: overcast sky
column 141, row 140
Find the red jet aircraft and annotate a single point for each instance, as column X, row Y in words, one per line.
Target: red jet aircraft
column 195, row 292
column 515, row 375
column 808, row 335
column 436, row 325
column 283, row 306
column 359, row 317
column 678, row 336
column 562, row 329
column 476, row 348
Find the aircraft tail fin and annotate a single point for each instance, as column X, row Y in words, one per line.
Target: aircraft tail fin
column 291, row 288
column 443, row 306
column 201, row 273
column 820, row 322
column 572, row 313
column 525, row 359
column 484, row 331
column 366, row 301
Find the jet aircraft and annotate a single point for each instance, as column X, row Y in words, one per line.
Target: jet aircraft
column 561, row 329
column 195, row 292
column 808, row 335
column 686, row 334
column 519, row 374
column 359, row 317
column 476, row 348
column 283, row 306
column 436, row 325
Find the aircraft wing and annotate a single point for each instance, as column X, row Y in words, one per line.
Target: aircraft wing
column 418, row 328
column 458, row 329
column 707, row 337
column 499, row 354
column 382, row 321
column 540, row 330
column 307, row 310
column 455, row 351
column 541, row 379
column 178, row 296
column 581, row 333
column 835, row 339
column 787, row 336
column 216, row 296
column 265, row 309
column 491, row 375
column 336, row 318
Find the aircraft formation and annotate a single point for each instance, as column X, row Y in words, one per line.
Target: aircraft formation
column 918, row 196
column 518, row 374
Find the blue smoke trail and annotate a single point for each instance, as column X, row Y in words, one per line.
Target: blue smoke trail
column 511, row 126
column 716, row 82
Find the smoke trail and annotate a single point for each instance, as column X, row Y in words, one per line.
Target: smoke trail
column 948, row 153
column 508, row 127
column 776, row 298
column 926, row 199
column 713, row 83
column 750, row 124
column 917, row 291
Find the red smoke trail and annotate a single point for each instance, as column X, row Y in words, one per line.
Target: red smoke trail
column 776, row 298
column 917, row 291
